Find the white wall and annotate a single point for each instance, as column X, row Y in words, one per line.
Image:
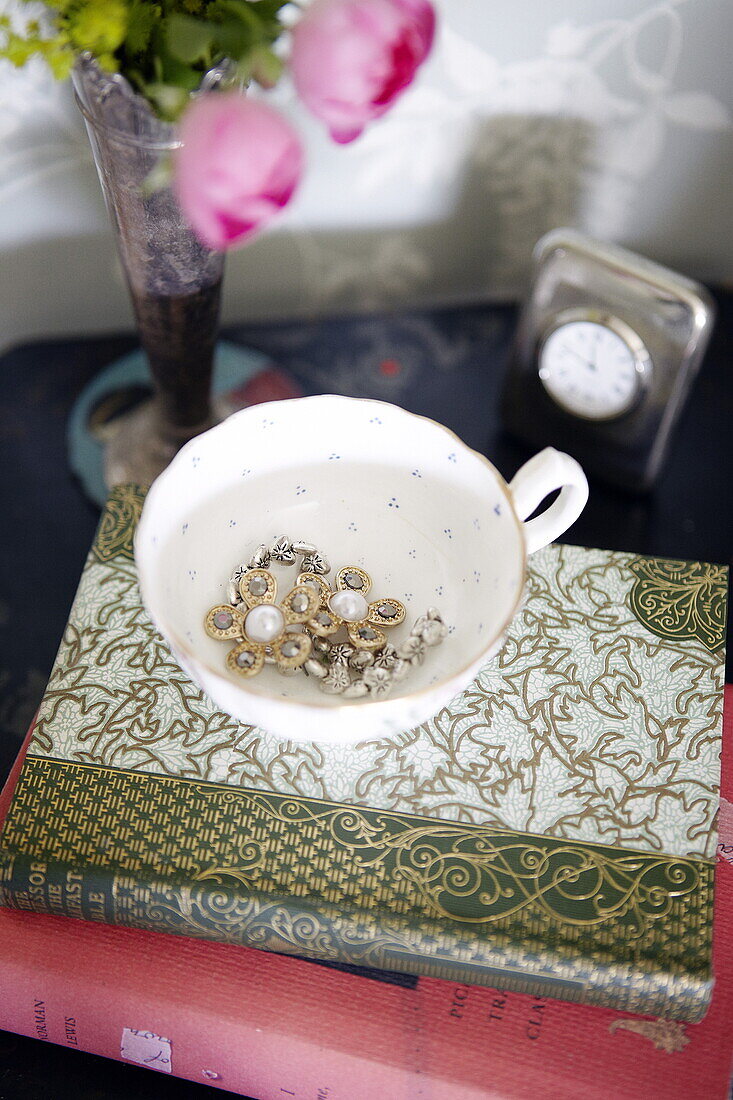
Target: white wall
column 613, row 115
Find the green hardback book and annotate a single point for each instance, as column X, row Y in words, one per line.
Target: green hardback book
column 553, row 831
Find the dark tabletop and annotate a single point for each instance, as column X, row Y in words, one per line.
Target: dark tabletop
column 446, row 364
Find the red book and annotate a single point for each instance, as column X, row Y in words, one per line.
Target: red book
column 274, row 1027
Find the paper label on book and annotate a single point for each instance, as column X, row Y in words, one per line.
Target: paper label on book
column 725, row 830
column 145, row 1048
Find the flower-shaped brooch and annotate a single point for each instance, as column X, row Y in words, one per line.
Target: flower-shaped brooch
column 347, row 606
column 263, row 627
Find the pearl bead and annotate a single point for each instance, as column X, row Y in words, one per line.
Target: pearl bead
column 350, row 606
column 264, row 623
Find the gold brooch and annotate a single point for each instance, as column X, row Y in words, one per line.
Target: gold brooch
column 347, row 606
column 263, row 626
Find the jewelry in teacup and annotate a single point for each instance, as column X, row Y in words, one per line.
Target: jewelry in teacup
column 301, row 631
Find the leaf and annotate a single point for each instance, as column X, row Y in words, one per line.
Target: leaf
column 60, row 62
column 233, row 39
column 266, row 67
column 698, row 110
column 172, row 71
column 246, row 12
column 169, row 99
column 269, row 9
column 189, row 39
column 99, row 27
column 141, row 19
column 261, row 17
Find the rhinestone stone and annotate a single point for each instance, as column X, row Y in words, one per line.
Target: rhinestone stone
column 367, row 634
column 299, row 603
column 245, row 659
column 387, row 610
column 223, row 620
column 258, row 586
column 290, row 649
column 354, row 580
column 323, row 618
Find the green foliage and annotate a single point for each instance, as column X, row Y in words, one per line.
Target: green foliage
column 163, row 47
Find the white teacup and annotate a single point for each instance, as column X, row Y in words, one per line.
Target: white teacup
column 371, row 485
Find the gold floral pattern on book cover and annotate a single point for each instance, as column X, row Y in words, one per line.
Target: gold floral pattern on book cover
column 587, row 726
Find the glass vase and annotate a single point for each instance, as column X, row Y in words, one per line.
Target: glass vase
column 174, row 281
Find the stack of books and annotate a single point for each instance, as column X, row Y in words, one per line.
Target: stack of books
column 552, row 835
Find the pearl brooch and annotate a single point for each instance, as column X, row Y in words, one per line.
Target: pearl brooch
column 260, row 626
column 348, row 607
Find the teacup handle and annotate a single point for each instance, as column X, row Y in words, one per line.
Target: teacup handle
column 548, row 470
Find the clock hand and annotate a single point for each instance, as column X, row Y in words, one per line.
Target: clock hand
column 594, row 365
column 583, row 360
column 566, row 350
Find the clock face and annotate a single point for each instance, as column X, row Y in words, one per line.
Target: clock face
column 593, row 370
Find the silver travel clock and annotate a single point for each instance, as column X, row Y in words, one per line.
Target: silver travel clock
column 606, row 349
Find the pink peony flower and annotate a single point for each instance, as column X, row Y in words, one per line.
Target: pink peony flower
column 351, row 59
column 239, row 164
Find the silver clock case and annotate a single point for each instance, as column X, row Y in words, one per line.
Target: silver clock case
column 642, row 362
column 670, row 314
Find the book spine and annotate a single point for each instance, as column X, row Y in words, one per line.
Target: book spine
column 321, row 932
column 375, row 888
